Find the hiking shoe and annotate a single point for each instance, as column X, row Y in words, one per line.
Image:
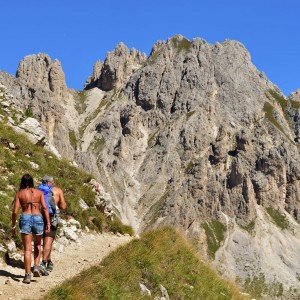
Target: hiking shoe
column 27, row 278
column 36, row 271
column 50, row 266
column 43, row 269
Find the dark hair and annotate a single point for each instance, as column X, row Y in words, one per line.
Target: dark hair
column 26, row 181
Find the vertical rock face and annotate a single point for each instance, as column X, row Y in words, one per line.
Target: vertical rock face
column 195, row 132
column 295, row 96
column 93, row 80
column 199, row 133
column 38, row 71
column 116, row 69
column 40, row 89
column 33, row 70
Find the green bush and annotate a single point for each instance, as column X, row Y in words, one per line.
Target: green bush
column 117, row 226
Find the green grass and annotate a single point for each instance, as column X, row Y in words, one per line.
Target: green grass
column 151, row 139
column 279, row 219
column 154, row 55
column 248, row 227
column 28, row 112
column 105, row 103
column 80, row 101
column 189, row 167
column 295, row 104
column 97, row 145
column 181, row 44
column 215, row 234
column 275, row 95
column 269, row 113
column 189, row 114
column 117, row 226
column 158, row 257
column 157, row 207
column 73, row 139
column 279, row 98
column 257, row 287
column 73, row 181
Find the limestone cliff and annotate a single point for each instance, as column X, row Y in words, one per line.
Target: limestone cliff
column 193, row 133
column 40, row 90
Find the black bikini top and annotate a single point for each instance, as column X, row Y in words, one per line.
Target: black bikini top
column 31, row 202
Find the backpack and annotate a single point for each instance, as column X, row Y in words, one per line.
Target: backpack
column 51, row 205
column 51, row 201
column 49, row 197
column 54, row 216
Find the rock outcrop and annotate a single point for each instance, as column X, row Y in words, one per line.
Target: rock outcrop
column 39, row 90
column 116, row 69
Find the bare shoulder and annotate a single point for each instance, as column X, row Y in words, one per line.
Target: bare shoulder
column 57, row 190
column 38, row 193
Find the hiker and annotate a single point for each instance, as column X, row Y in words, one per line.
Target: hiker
column 31, row 223
column 54, row 198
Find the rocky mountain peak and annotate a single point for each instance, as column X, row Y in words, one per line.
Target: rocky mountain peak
column 118, row 66
column 39, row 71
column 33, row 70
column 295, row 95
column 40, row 89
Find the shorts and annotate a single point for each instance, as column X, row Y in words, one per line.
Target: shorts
column 51, row 233
column 31, row 223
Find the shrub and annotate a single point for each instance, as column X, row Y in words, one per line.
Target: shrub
column 117, row 226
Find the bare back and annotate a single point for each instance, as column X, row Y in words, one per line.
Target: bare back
column 59, row 197
column 30, row 200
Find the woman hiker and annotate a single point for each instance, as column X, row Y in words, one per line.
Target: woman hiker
column 31, row 223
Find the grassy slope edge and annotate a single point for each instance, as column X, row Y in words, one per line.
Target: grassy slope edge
column 159, row 257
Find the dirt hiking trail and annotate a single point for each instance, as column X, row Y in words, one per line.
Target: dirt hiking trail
column 77, row 256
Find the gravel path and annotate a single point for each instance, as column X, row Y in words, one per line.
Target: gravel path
column 88, row 251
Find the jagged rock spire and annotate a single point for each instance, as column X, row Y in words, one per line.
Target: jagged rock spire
column 116, row 69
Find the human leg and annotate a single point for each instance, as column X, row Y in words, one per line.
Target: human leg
column 27, row 240
column 38, row 230
column 37, row 241
column 25, row 225
column 47, row 247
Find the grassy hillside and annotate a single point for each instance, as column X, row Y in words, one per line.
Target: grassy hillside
column 161, row 257
column 74, row 182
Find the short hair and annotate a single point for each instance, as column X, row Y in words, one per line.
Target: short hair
column 26, row 181
column 47, row 179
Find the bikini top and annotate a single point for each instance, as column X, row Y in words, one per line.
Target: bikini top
column 31, row 202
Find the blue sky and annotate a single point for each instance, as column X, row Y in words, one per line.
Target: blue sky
column 80, row 32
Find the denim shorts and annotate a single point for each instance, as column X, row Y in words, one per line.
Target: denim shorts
column 31, row 223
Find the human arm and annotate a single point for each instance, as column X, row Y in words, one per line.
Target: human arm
column 61, row 200
column 15, row 214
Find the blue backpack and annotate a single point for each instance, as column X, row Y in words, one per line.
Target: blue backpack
column 49, row 197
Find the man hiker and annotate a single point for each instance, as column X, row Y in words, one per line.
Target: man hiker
column 54, row 198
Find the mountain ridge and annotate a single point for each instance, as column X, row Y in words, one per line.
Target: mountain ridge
column 192, row 133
